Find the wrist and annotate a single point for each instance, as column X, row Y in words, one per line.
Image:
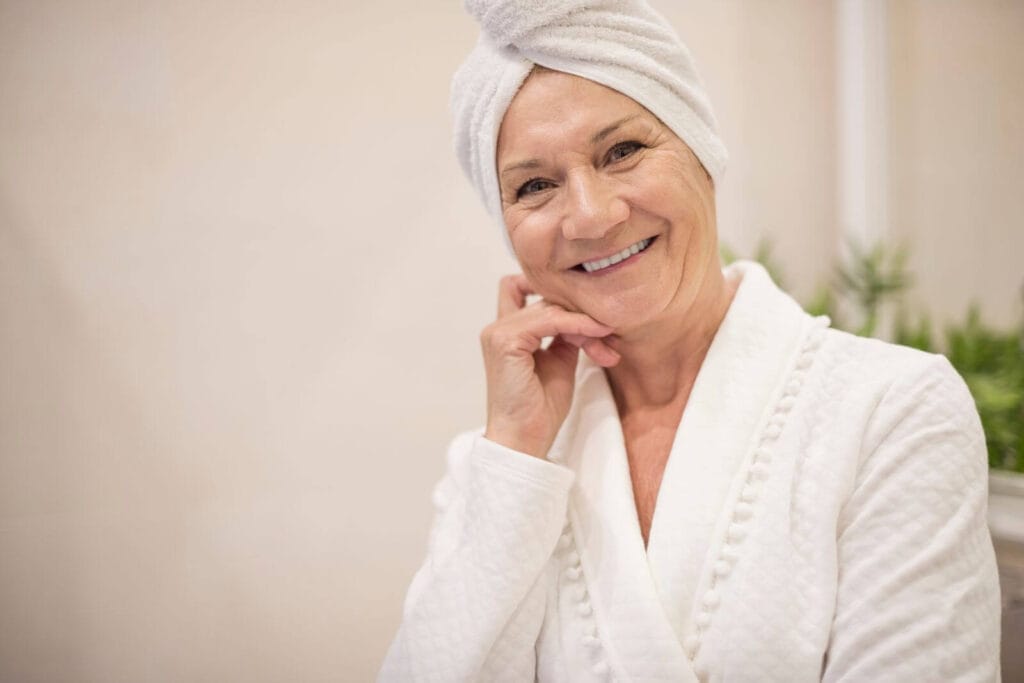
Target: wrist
column 515, row 441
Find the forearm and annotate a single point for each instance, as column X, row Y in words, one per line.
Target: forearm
column 499, row 517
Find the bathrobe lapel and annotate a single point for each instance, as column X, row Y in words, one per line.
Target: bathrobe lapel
column 631, row 619
column 643, row 600
column 739, row 383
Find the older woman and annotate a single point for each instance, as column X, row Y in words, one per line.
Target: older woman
column 718, row 487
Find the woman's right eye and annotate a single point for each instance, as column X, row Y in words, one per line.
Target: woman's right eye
column 532, row 187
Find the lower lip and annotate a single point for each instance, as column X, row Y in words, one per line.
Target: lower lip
column 621, row 264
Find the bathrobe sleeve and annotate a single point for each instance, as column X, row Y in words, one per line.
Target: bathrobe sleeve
column 918, row 588
column 475, row 607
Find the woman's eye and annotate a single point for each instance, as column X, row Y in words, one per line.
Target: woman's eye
column 531, row 187
column 622, row 150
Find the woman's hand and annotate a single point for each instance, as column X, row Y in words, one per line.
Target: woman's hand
column 529, row 389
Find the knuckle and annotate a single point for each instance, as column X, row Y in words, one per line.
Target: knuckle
column 494, row 337
column 550, row 313
column 502, row 344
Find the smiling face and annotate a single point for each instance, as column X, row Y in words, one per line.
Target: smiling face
column 608, row 211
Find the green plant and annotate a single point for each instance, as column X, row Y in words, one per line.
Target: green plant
column 870, row 277
column 992, row 364
column 918, row 335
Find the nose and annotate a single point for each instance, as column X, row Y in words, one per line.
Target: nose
column 592, row 207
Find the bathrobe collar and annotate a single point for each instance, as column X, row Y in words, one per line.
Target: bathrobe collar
column 643, row 600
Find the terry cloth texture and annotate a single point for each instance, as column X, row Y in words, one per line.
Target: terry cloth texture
column 622, row 44
column 821, row 517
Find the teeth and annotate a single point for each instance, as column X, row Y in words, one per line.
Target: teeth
column 600, row 264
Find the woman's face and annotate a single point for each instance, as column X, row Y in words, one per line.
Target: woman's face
column 586, row 174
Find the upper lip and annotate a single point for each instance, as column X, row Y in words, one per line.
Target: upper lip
column 609, row 254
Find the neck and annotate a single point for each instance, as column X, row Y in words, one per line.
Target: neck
column 660, row 360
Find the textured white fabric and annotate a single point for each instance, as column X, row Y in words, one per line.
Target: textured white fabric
column 821, row 517
column 623, row 44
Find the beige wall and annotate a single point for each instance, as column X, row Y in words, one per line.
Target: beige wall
column 957, row 155
column 241, row 281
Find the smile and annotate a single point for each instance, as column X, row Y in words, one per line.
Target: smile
column 609, row 261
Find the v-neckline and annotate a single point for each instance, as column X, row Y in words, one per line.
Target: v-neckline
column 674, row 443
column 603, row 517
column 660, row 482
column 643, row 594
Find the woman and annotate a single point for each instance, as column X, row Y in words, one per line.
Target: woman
column 820, row 498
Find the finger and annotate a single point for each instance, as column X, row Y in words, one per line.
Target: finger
column 576, row 340
column 601, row 353
column 512, row 292
column 545, row 320
column 599, row 350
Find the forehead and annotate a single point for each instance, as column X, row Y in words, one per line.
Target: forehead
column 552, row 105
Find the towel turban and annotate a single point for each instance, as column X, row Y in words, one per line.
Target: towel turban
column 622, row 44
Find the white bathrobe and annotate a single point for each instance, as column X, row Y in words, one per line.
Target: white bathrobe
column 821, row 517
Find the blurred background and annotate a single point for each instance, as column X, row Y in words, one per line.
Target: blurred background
column 242, row 281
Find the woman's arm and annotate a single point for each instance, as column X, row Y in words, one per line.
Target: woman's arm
column 918, row 589
column 475, row 607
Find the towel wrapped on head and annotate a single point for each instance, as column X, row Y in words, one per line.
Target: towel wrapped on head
column 622, row 44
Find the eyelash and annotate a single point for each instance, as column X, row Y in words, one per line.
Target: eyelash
column 632, row 145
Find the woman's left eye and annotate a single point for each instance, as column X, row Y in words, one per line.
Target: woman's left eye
column 622, row 150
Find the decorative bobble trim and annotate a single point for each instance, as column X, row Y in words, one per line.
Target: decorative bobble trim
column 757, row 471
column 574, row 574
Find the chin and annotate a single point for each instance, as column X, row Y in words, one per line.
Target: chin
column 633, row 307
column 623, row 316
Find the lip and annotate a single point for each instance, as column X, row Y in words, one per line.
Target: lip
column 614, row 267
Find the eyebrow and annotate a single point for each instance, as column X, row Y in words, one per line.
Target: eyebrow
column 529, row 163
column 609, row 129
column 594, row 139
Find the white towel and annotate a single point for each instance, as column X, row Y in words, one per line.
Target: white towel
column 622, row 44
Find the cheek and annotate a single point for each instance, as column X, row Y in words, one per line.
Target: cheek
column 533, row 241
column 667, row 189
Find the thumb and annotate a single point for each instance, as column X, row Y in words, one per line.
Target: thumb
column 596, row 348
